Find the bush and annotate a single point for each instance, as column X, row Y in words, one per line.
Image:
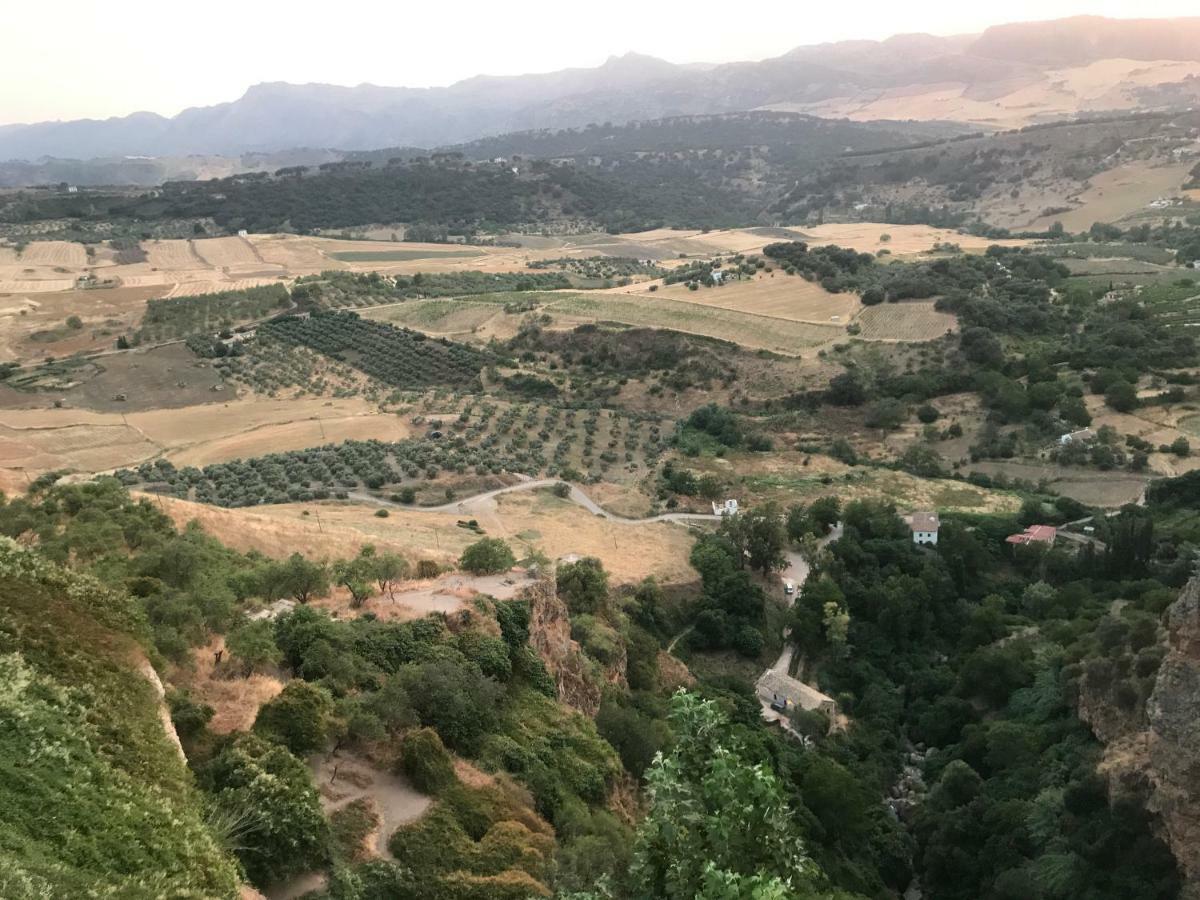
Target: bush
column 425, row 761
column 299, row 718
column 489, row 556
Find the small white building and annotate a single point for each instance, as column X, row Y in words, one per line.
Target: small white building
column 718, row 276
column 242, row 232
column 1083, row 436
column 728, row 508
column 925, row 527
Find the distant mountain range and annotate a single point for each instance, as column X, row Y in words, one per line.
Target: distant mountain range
column 963, row 78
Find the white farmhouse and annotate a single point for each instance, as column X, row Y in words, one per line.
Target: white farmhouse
column 728, row 508
column 924, row 527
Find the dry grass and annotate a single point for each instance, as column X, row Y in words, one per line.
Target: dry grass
column 236, row 701
column 904, row 322
column 528, row 520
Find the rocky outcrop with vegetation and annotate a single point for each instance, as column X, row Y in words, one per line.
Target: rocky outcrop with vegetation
column 1174, row 737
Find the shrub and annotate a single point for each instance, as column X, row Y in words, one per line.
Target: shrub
column 425, row 761
column 299, row 718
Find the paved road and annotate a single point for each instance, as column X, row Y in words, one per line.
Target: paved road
column 576, row 496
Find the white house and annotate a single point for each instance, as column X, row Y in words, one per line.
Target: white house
column 924, row 527
column 718, row 276
column 728, row 508
column 242, row 232
column 1083, row 436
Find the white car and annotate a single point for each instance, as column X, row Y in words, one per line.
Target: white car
column 789, row 588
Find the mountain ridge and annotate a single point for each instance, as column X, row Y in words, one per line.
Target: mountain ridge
column 832, row 79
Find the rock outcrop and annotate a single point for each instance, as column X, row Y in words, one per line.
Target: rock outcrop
column 550, row 637
column 1154, row 752
column 1174, row 737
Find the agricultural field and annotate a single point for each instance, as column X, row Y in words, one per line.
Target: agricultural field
column 373, row 256
column 396, row 356
column 748, row 330
column 482, row 439
column 774, row 294
column 900, row 240
column 910, row 321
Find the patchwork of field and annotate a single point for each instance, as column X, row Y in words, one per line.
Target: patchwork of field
column 33, row 441
column 778, row 295
column 904, row 322
column 754, row 331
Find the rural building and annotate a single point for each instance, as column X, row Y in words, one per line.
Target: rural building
column 718, row 276
column 924, row 526
column 728, row 508
column 773, row 687
column 1034, row 534
column 242, row 232
column 1083, row 436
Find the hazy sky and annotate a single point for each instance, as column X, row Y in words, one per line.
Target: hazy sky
column 67, row 59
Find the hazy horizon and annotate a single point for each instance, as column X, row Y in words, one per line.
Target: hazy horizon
column 108, row 65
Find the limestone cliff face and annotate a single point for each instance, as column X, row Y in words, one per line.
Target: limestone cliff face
column 1174, row 737
column 1154, row 751
column 575, row 676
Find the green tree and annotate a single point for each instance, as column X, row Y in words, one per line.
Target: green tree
column 489, row 556
column 1074, row 411
column 719, row 826
column 583, row 584
column 759, row 536
column 266, row 799
column 253, row 647
column 1121, row 396
column 303, row 579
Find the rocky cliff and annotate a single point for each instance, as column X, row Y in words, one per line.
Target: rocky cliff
column 1174, row 737
column 1154, row 750
column 578, row 679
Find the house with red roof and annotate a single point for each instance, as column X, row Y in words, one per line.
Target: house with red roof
column 1034, row 534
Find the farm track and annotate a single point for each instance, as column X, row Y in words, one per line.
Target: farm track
column 576, row 496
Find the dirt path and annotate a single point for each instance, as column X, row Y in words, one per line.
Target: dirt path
column 471, row 504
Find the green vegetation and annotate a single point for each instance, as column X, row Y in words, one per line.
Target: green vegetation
column 83, row 738
column 181, row 317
